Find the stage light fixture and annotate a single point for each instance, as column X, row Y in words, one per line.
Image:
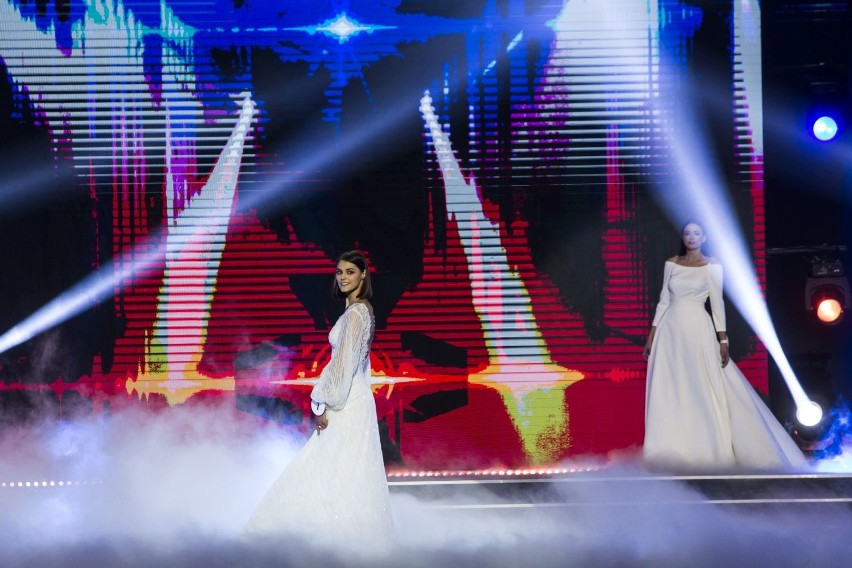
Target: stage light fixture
column 809, row 414
column 827, row 290
column 825, row 128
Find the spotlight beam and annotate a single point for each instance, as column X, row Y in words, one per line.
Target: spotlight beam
column 357, row 142
column 705, row 193
column 99, row 285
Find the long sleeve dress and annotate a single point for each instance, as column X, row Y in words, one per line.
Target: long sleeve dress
column 335, row 488
column 698, row 414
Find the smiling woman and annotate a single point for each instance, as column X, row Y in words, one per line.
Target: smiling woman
column 338, row 479
column 352, row 278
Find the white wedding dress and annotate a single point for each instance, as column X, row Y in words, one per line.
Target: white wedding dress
column 335, row 490
column 699, row 415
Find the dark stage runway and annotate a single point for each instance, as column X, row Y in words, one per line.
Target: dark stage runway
column 598, row 488
column 565, row 488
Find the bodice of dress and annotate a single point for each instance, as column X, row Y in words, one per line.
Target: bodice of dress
column 689, row 284
column 689, row 287
column 350, row 340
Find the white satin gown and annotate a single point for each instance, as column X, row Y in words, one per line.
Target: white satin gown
column 335, row 489
column 699, row 415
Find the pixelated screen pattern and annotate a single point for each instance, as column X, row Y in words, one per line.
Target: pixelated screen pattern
column 499, row 163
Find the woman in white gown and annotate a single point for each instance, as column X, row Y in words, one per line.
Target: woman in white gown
column 701, row 412
column 335, row 490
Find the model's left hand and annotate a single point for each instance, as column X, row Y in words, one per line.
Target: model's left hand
column 322, row 423
column 723, row 351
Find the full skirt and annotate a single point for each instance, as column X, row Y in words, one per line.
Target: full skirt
column 700, row 415
column 334, row 490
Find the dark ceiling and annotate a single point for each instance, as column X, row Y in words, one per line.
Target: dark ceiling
column 806, row 52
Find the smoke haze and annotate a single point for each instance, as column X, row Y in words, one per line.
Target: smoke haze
column 175, row 489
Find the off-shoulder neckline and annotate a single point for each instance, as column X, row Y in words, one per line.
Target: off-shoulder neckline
column 687, row 266
column 696, row 266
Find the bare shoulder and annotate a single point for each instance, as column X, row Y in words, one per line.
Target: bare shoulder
column 714, row 261
column 673, row 259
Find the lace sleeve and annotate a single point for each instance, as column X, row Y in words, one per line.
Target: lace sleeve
column 717, row 304
column 665, row 296
column 353, row 346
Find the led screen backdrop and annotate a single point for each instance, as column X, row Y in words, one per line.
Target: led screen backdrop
column 186, row 172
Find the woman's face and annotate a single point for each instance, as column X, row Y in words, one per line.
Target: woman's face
column 349, row 277
column 693, row 236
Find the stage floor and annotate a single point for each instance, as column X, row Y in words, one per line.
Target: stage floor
column 602, row 517
column 602, row 488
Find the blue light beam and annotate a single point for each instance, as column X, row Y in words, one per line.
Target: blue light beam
column 704, row 193
column 101, row 284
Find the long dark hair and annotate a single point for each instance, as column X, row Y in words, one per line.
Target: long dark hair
column 358, row 260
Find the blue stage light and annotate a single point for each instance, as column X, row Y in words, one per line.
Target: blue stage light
column 825, row 128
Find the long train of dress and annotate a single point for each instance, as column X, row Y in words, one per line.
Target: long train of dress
column 700, row 415
column 335, row 489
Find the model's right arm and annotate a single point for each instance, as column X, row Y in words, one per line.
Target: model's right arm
column 332, row 390
column 662, row 306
